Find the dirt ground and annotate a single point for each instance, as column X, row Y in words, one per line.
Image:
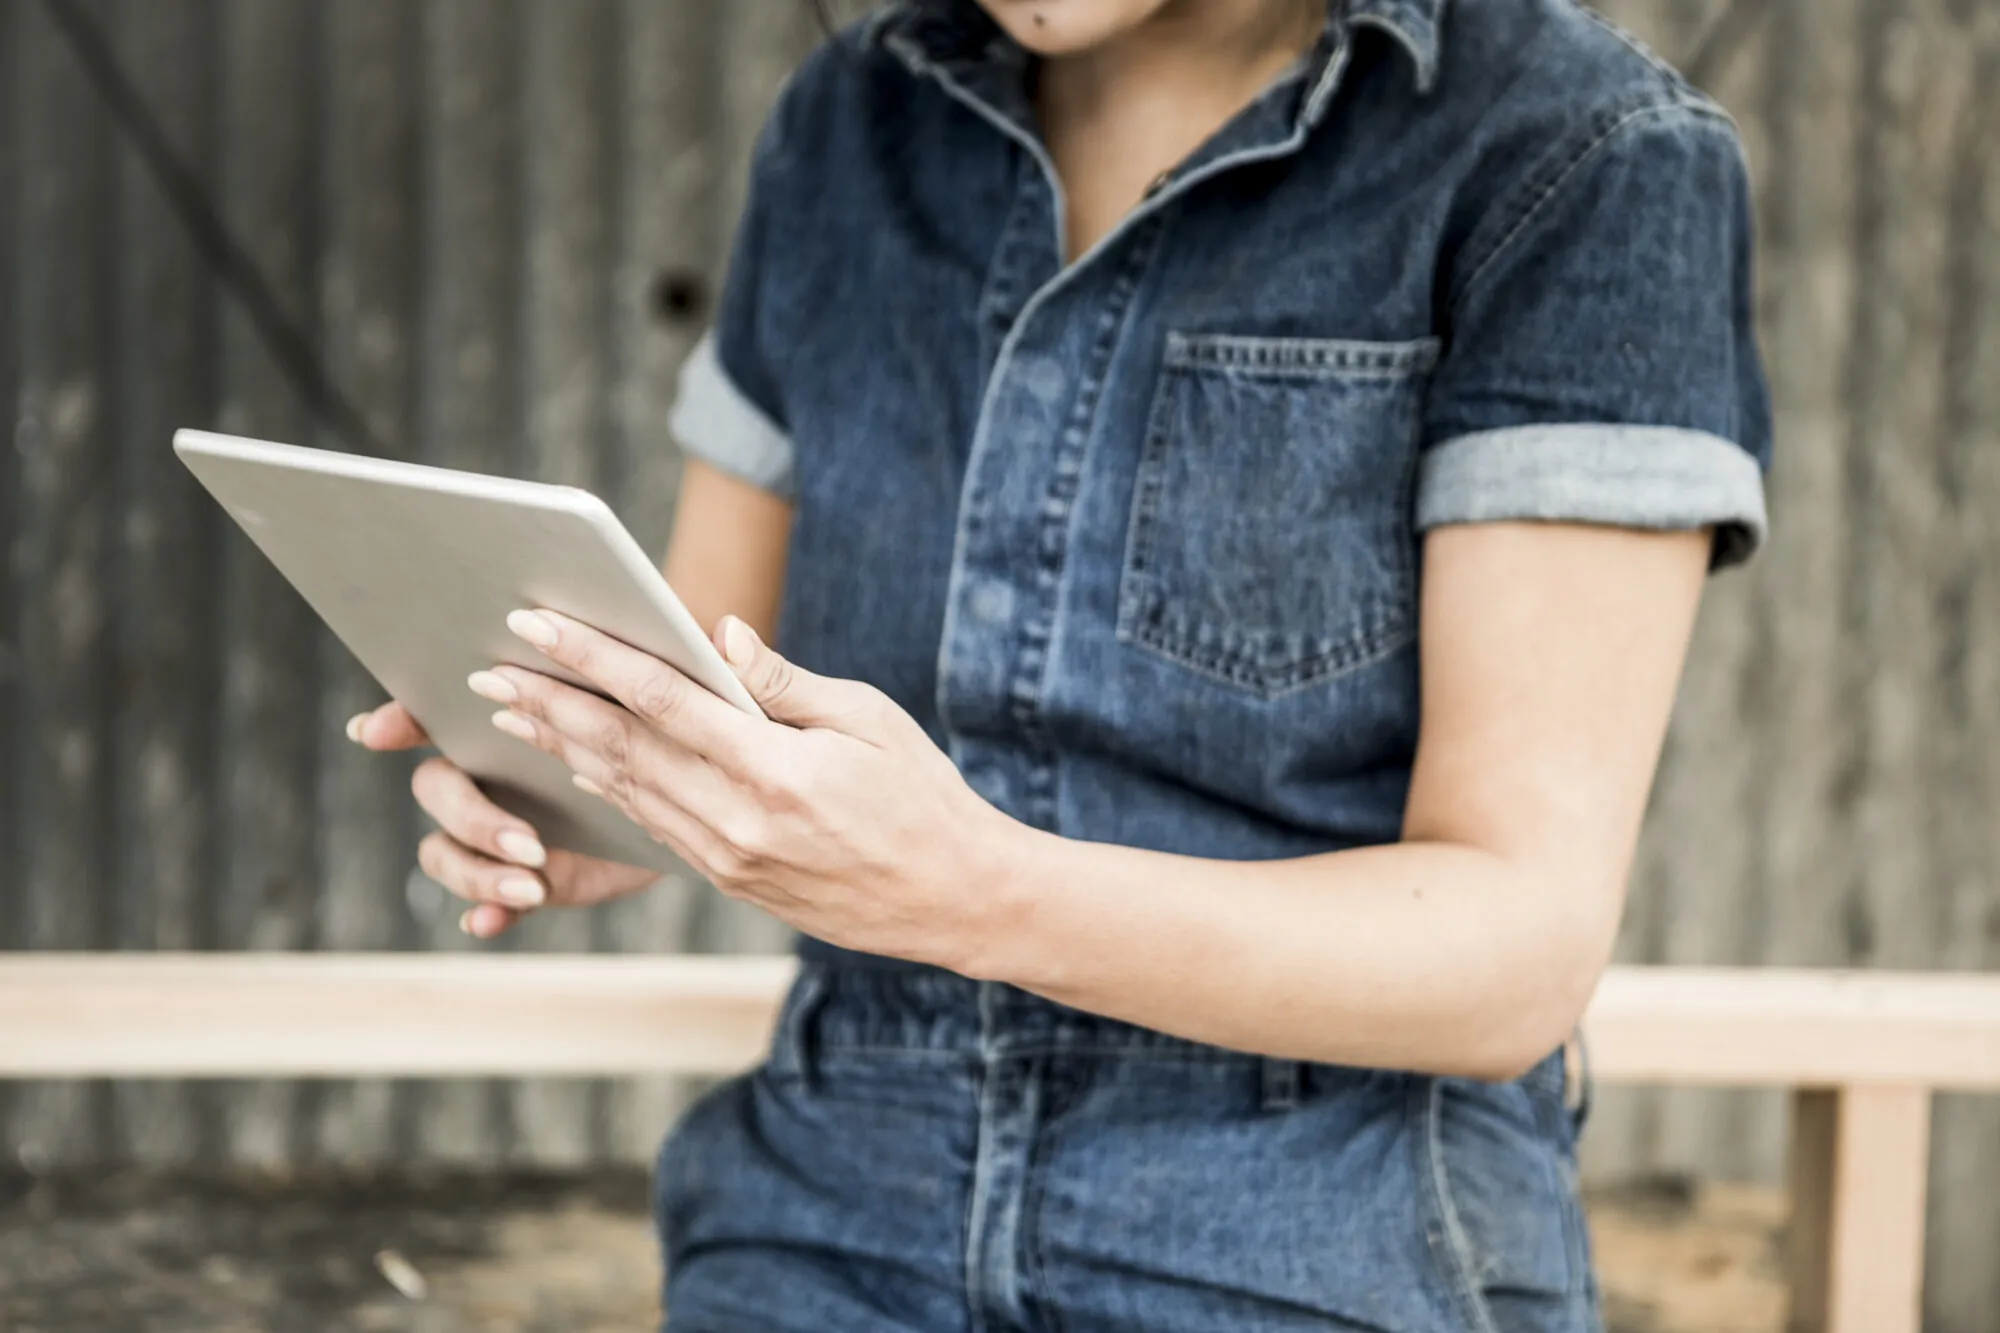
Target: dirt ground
column 520, row 1254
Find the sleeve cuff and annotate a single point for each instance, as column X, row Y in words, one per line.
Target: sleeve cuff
column 1656, row 477
column 715, row 421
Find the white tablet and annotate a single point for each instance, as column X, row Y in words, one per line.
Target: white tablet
column 416, row 568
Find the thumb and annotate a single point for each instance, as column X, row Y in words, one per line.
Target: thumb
column 789, row 693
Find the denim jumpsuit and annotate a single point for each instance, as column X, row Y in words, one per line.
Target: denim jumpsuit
column 1137, row 539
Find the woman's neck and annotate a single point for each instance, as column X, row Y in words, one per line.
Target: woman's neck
column 1205, row 58
column 1119, row 114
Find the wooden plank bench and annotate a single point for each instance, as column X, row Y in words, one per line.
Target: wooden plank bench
column 1862, row 1051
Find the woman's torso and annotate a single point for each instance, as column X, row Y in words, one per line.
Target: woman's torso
column 1133, row 538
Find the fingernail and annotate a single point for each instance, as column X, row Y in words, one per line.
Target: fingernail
column 524, row 848
column 354, row 725
column 739, row 642
column 514, row 724
column 487, row 685
column 585, row 784
column 465, row 923
column 536, row 629
column 520, row 891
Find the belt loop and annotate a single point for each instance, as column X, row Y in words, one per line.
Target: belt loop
column 1577, row 1082
column 1281, row 1084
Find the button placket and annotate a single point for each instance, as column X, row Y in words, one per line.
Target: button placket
column 1048, row 384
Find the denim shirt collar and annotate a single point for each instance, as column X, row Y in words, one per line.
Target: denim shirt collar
column 1416, row 25
column 956, row 41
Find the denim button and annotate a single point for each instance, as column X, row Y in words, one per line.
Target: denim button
column 1043, row 379
column 991, row 602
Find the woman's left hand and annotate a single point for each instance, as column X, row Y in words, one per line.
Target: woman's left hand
column 838, row 815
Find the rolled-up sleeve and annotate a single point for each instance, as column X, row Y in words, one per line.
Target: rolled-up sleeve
column 1601, row 363
column 717, row 422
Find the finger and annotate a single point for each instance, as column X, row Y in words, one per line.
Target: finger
column 662, row 820
column 389, row 727
column 649, row 688
column 454, row 800
column 585, row 725
column 487, row 921
column 647, row 783
column 479, row 879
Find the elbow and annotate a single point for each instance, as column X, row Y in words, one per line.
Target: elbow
column 1505, row 1062
column 1517, row 1037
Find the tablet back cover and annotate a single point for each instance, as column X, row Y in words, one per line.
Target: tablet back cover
column 417, row 581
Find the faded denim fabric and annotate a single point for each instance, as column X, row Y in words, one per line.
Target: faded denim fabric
column 930, row 1154
column 1138, row 541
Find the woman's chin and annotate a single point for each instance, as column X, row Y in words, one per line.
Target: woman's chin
column 1055, row 28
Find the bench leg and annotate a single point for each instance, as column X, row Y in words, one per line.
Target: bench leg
column 1860, row 1166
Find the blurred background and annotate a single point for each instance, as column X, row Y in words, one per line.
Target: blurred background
column 500, row 224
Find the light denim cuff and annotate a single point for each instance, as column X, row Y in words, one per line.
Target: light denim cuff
column 715, row 421
column 1659, row 477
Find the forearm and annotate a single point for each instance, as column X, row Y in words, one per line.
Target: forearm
column 728, row 550
column 1550, row 658
column 1427, row 956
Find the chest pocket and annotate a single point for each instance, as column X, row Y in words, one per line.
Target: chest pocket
column 1270, row 543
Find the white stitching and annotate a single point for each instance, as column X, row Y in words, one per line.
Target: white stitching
column 1458, row 1245
column 1553, row 188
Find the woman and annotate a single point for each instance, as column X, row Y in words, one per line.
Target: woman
column 1240, row 475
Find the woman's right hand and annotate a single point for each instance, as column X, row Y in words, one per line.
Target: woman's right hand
column 486, row 856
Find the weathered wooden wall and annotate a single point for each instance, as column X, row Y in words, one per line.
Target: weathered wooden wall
column 500, row 220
